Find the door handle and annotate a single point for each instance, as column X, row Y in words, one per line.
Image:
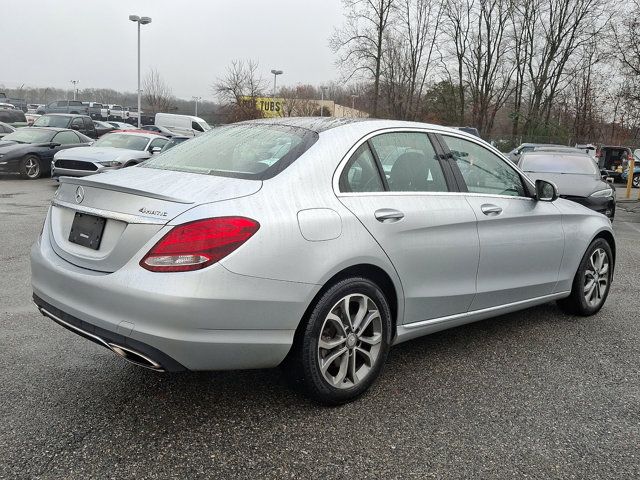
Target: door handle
column 388, row 215
column 489, row 209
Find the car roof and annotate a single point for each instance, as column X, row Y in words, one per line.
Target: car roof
column 138, row 133
column 322, row 124
column 67, row 115
column 53, row 129
column 557, row 153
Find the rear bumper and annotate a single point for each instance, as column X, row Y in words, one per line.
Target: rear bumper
column 210, row 319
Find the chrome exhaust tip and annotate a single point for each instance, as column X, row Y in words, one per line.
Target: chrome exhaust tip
column 128, row 354
column 134, row 357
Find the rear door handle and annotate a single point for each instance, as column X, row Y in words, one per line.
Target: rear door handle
column 388, row 215
column 490, row 209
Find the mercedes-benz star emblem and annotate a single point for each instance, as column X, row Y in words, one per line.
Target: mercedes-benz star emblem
column 79, row 194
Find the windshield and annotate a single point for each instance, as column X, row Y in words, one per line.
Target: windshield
column 253, row 151
column 52, row 121
column 577, row 164
column 122, row 140
column 30, row 135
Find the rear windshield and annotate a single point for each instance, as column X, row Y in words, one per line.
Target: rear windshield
column 52, row 121
column 120, row 140
column 580, row 164
column 252, row 151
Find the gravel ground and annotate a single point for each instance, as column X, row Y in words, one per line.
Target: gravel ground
column 535, row 394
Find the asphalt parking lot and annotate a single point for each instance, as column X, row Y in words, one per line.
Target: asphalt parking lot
column 535, row 394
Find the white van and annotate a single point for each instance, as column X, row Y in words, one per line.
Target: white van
column 182, row 124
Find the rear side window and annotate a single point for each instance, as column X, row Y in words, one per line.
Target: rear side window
column 252, row 151
column 409, row 162
column 361, row 174
column 66, row 138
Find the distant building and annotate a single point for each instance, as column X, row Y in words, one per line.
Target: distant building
column 271, row 107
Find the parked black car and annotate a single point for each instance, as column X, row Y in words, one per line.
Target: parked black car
column 175, row 140
column 29, row 151
column 576, row 175
column 103, row 127
column 81, row 123
column 157, row 129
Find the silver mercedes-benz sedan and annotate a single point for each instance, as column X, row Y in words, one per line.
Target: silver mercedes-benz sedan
column 315, row 244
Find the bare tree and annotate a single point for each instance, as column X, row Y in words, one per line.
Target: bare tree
column 239, row 88
column 157, row 94
column 360, row 43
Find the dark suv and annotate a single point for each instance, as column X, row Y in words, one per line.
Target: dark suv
column 79, row 123
column 65, row 106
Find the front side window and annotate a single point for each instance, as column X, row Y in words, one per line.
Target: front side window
column 196, row 126
column 158, row 142
column 251, row 151
column 77, row 123
column 361, row 174
column 484, row 171
column 409, row 162
column 66, row 138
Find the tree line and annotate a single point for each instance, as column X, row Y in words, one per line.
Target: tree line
column 525, row 68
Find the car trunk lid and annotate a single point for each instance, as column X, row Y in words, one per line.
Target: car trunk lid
column 135, row 203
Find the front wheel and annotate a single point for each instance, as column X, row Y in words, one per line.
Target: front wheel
column 636, row 180
column 345, row 342
column 30, row 167
column 592, row 281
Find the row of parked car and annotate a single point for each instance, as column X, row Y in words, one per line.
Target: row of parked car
column 575, row 173
column 612, row 160
column 56, row 144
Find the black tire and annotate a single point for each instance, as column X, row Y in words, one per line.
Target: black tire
column 577, row 303
column 303, row 364
column 129, row 164
column 31, row 167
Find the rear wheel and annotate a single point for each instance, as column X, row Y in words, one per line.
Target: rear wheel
column 636, row 180
column 30, row 167
column 344, row 343
column 592, row 281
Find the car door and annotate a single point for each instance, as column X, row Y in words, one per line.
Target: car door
column 521, row 239
column 396, row 184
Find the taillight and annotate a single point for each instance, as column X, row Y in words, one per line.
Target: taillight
column 198, row 244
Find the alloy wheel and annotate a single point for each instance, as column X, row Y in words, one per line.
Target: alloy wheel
column 636, row 181
column 350, row 341
column 32, row 167
column 596, row 277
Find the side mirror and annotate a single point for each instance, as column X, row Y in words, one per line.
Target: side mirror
column 156, row 150
column 546, row 191
column 75, row 127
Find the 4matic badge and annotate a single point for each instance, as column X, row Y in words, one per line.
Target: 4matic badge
column 158, row 213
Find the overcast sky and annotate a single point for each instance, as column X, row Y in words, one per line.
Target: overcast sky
column 190, row 42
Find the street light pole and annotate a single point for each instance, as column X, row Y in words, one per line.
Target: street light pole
column 323, row 88
column 74, row 82
column 275, row 76
column 196, row 99
column 139, row 21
